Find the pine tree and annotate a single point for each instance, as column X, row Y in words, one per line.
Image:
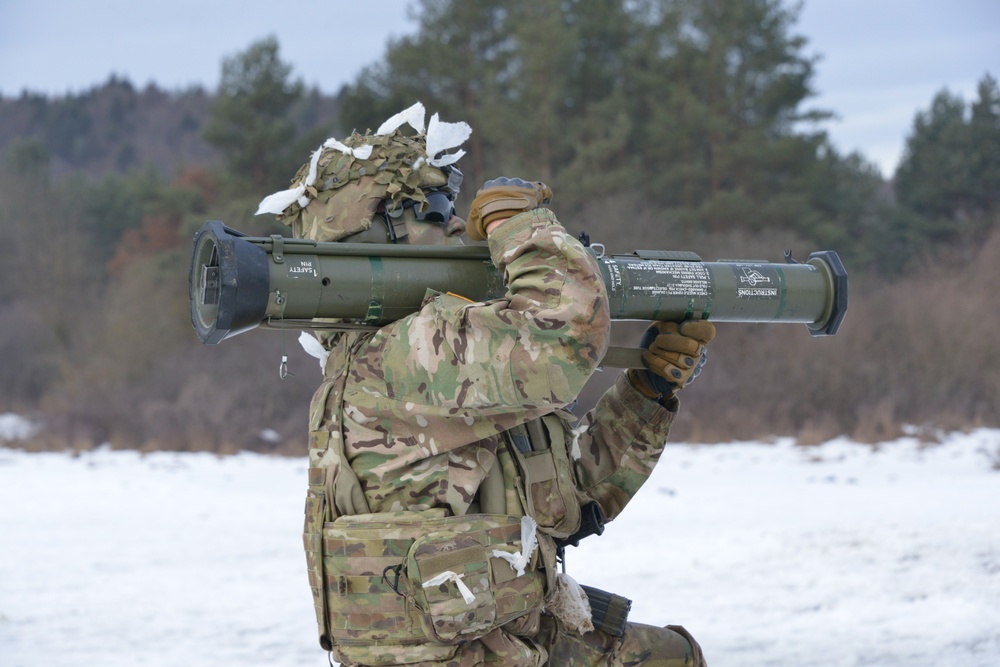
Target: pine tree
column 450, row 66
column 949, row 177
column 250, row 121
column 984, row 140
column 722, row 139
column 933, row 178
column 592, row 122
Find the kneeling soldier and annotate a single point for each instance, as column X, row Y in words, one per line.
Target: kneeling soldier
column 445, row 473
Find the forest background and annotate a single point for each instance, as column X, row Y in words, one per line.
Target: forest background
column 660, row 125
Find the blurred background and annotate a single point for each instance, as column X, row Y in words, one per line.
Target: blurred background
column 733, row 129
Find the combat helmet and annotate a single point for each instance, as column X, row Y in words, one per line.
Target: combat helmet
column 390, row 175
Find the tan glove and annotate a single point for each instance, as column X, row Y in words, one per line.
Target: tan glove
column 502, row 198
column 674, row 356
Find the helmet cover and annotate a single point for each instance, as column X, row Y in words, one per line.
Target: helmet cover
column 337, row 193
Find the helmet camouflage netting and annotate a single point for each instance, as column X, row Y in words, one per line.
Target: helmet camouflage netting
column 336, row 193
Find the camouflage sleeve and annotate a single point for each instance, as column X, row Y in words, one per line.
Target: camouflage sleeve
column 488, row 366
column 623, row 438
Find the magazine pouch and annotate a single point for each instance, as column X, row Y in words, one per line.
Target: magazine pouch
column 547, row 474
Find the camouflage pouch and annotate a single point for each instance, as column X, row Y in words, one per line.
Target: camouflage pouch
column 371, row 619
column 547, row 475
column 376, row 566
column 466, row 579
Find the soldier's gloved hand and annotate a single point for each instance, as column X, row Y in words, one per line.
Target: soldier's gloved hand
column 502, row 198
column 674, row 355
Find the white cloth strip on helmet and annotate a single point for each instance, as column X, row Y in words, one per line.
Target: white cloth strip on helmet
column 361, row 152
column 441, row 136
column 414, row 116
column 277, row 203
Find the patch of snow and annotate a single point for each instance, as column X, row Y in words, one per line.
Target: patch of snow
column 770, row 554
column 15, row 427
column 269, row 435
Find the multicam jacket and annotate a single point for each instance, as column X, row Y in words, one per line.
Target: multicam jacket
column 423, row 403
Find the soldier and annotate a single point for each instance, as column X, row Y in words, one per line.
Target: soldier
column 445, row 474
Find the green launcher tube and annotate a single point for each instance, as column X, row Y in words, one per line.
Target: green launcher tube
column 239, row 282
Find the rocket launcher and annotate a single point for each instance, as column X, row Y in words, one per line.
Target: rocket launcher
column 239, row 282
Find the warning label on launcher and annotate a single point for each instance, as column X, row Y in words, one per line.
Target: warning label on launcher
column 666, row 279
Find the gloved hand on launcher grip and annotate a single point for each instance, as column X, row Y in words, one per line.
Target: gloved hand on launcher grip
column 674, row 355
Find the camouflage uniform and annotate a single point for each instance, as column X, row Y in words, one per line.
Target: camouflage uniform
column 422, row 405
column 416, row 471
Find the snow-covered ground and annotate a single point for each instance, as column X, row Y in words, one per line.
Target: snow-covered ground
column 838, row 555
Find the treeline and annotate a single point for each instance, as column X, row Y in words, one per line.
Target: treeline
column 659, row 124
column 113, row 128
column 116, row 128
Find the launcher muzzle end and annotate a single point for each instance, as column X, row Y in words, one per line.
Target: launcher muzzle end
column 227, row 283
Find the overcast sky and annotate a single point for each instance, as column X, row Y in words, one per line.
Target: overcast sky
column 882, row 60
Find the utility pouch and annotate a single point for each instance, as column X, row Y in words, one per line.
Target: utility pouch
column 548, row 475
column 369, row 622
column 609, row 612
column 406, row 587
column 471, row 576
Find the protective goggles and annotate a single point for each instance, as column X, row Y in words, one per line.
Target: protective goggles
column 440, row 203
